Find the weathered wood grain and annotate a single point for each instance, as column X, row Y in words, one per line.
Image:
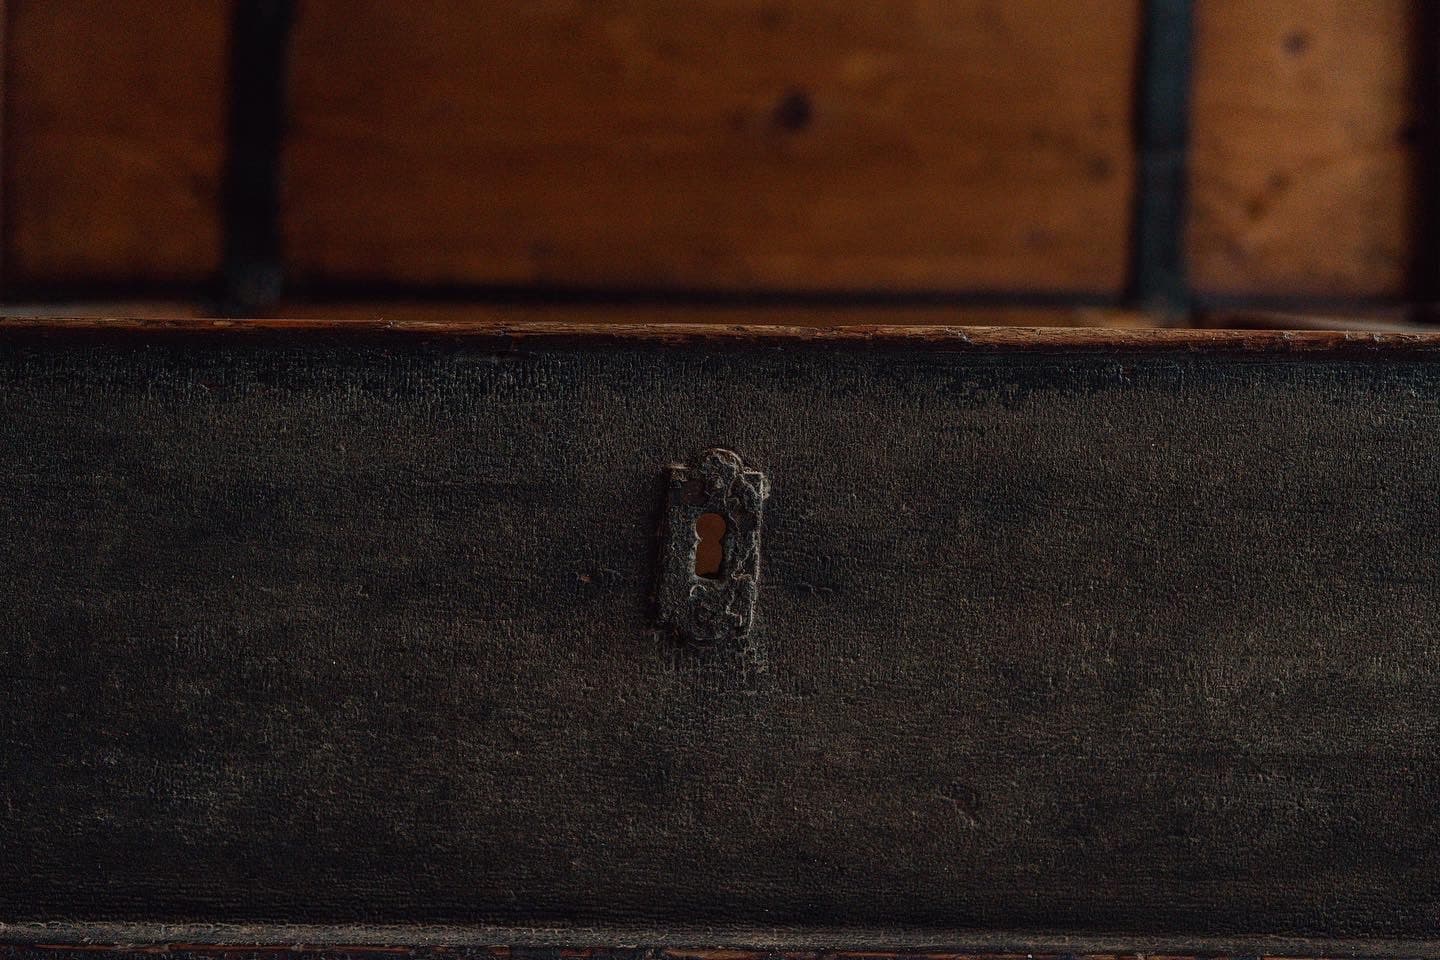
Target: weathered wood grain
column 753, row 313
column 114, row 143
column 727, row 143
column 1303, row 147
column 1071, row 633
column 502, row 332
column 589, row 951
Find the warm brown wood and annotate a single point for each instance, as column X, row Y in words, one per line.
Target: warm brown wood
column 1375, row 320
column 594, row 332
column 724, row 143
column 795, row 316
column 114, row 141
column 1393, row 319
column 468, row 311
column 108, row 308
column 1302, row 147
column 1386, row 320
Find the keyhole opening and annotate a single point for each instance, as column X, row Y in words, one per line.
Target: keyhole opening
column 710, row 550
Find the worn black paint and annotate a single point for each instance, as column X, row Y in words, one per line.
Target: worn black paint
column 315, row 629
column 385, row 950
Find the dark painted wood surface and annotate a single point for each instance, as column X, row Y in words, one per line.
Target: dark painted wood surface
column 308, row 952
column 305, row 952
column 1086, row 633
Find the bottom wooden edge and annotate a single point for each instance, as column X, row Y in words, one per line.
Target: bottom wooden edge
column 36, row 940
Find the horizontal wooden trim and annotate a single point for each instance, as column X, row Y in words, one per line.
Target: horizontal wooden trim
column 950, row 337
column 799, row 312
column 667, row 943
column 1377, row 318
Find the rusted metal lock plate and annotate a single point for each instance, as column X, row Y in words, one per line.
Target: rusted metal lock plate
column 710, row 548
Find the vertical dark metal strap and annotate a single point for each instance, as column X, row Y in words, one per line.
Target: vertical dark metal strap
column 253, row 271
column 6, row 191
column 1424, row 274
column 1158, row 279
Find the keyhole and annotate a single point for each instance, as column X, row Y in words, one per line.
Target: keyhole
column 710, row 550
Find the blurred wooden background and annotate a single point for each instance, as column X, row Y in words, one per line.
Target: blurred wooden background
column 983, row 161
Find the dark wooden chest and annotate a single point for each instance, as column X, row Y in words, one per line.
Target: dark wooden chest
column 1065, row 642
